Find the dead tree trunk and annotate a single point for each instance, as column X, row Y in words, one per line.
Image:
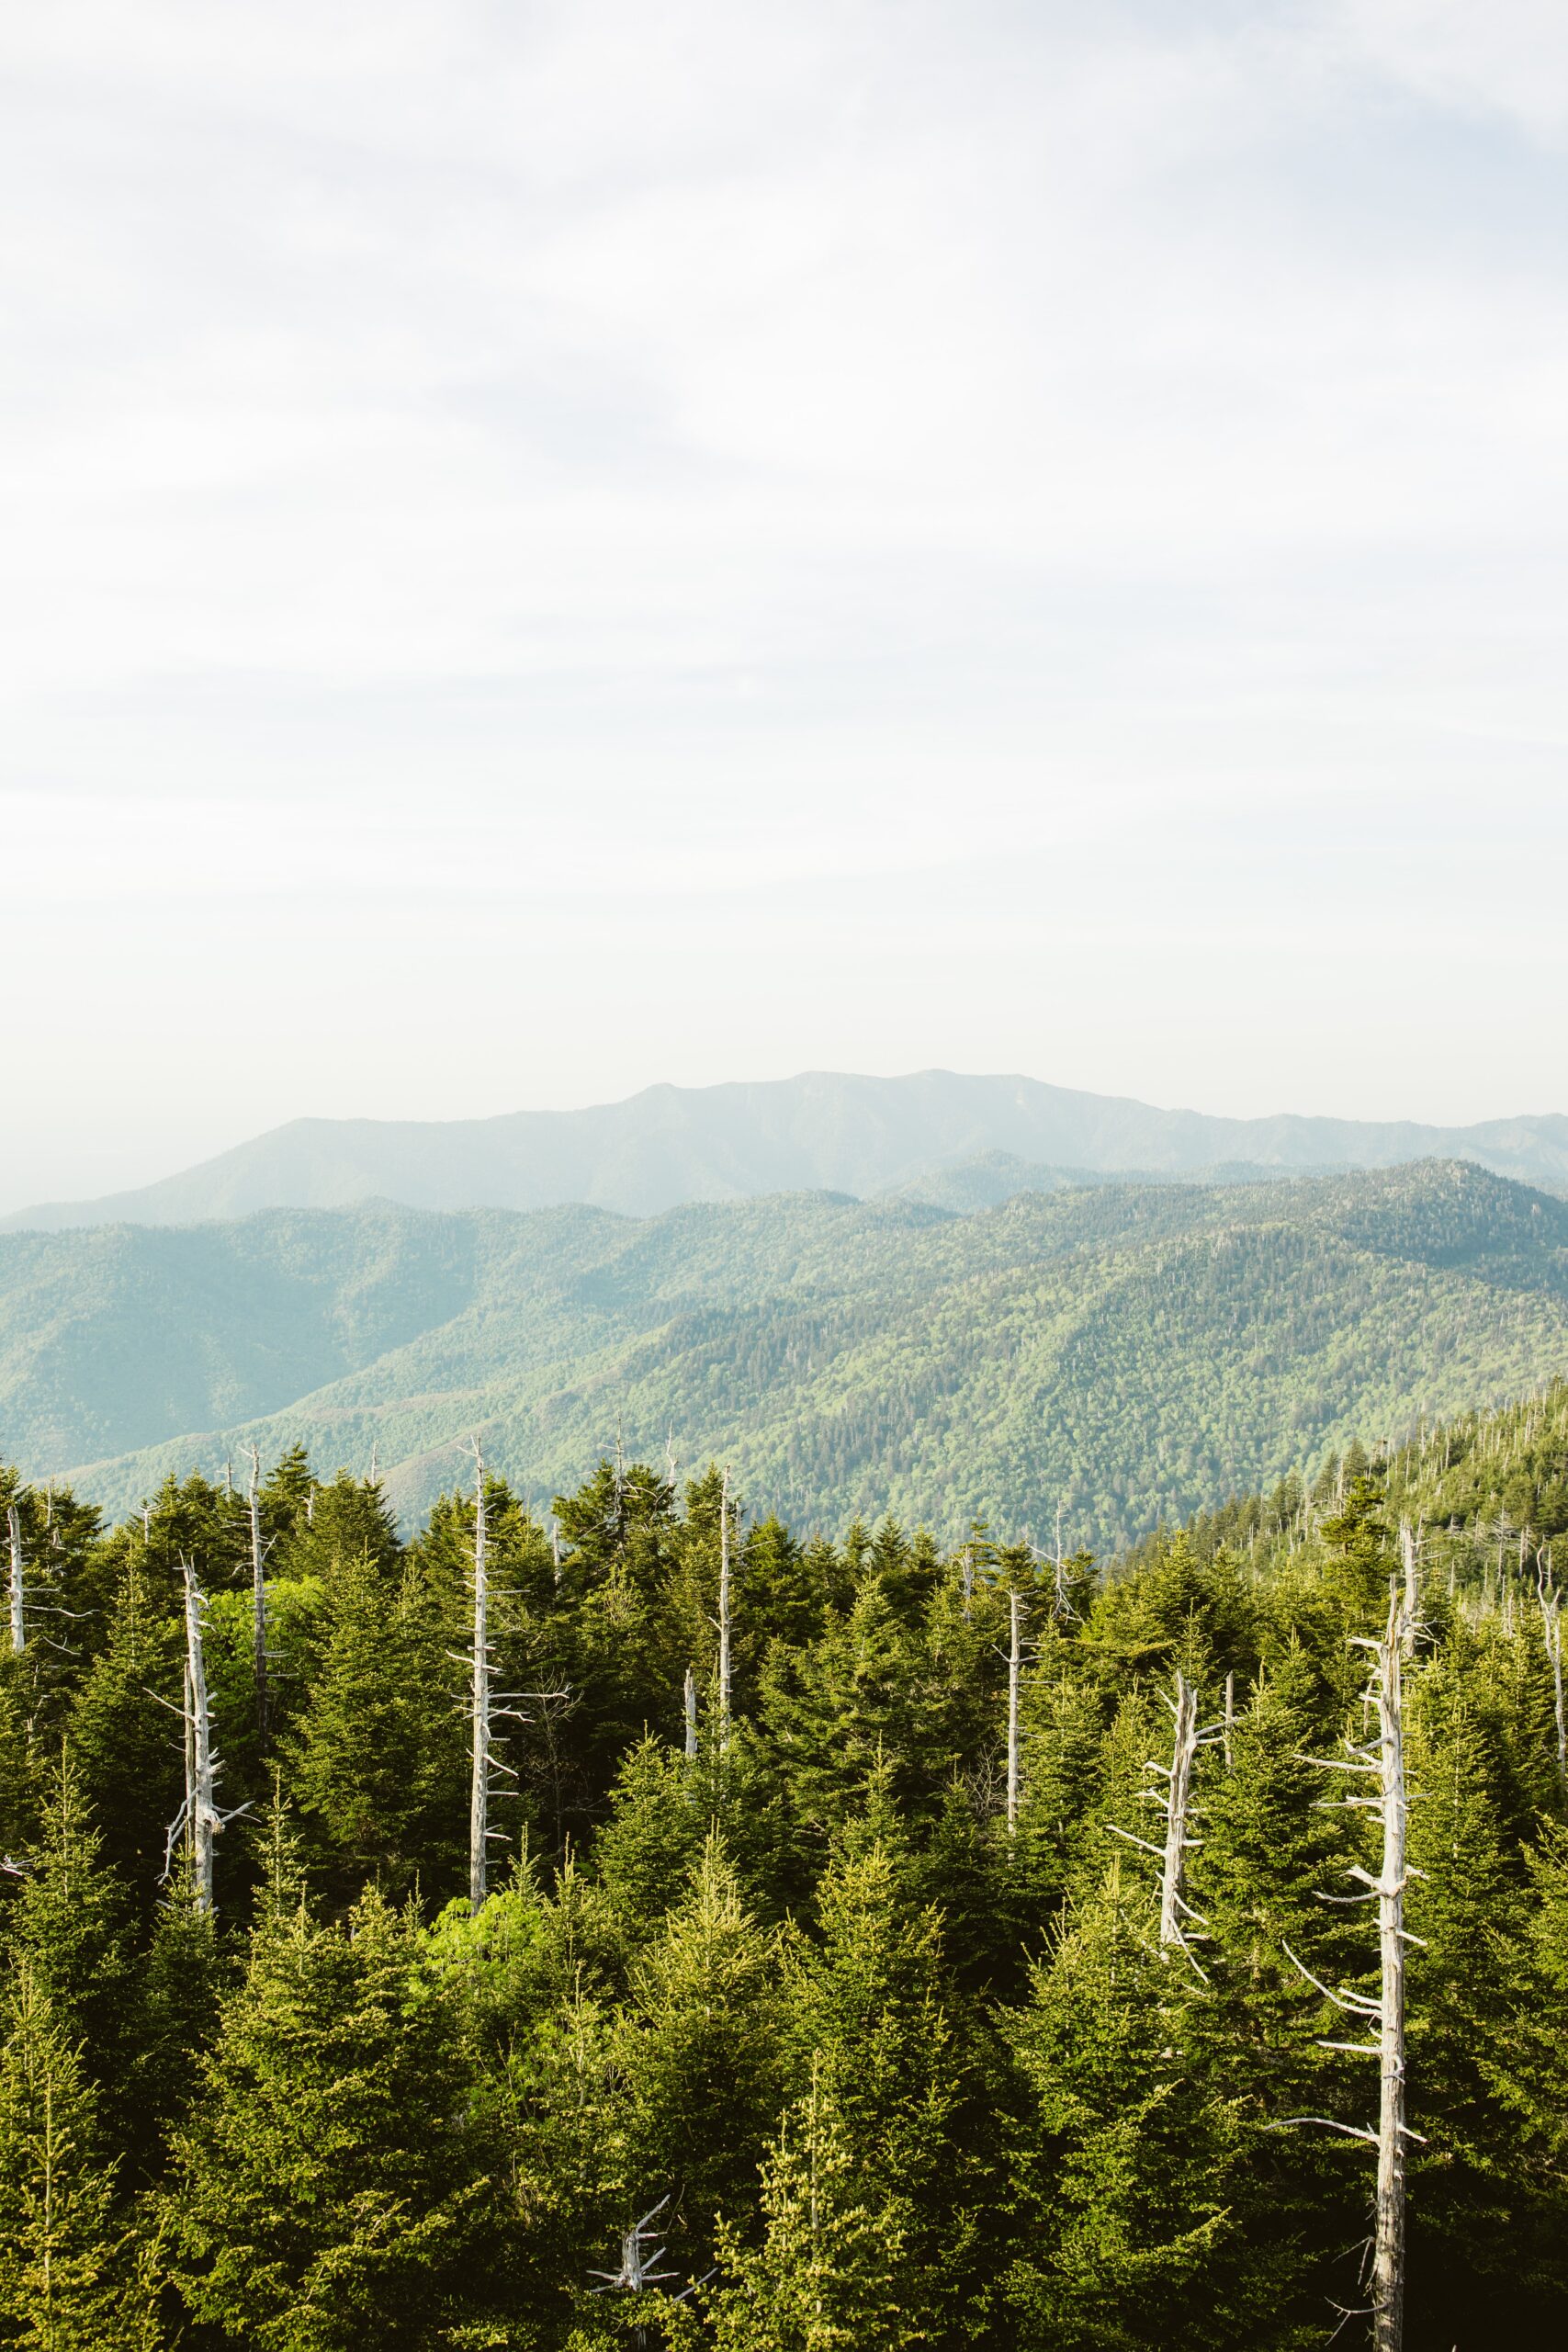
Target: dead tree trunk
column 1015, row 1664
column 1178, row 1798
column 1175, row 1801
column 479, row 1786
column 202, row 1819
column 689, row 1705
column 1409, row 1549
column 1230, row 1718
column 1388, row 2254
column 724, row 1614
column 1383, row 1764
column 18, row 1589
column 258, row 1600
column 1552, row 1634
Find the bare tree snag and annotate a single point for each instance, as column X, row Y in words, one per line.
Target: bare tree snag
column 479, row 1786
column 1384, row 1764
column 258, row 1599
column 689, row 1706
column 1178, row 1801
column 724, row 1614
column 1174, row 1800
column 198, row 1820
column 18, row 1589
column 1550, row 1601
column 1016, row 1612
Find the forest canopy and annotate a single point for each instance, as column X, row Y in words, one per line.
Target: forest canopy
column 818, row 1977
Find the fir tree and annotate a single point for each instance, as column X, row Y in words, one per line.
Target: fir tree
column 327, row 2191
column 67, row 2281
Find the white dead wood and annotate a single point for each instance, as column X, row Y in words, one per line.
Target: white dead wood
column 724, row 1614
column 480, row 1701
column 688, row 1707
column 18, row 1586
column 1230, row 1717
column 1409, row 1550
column 1550, row 1601
column 639, row 2257
column 258, row 1599
column 1017, row 1612
column 1062, row 1579
column 489, row 1707
column 199, row 1821
column 1178, row 1919
column 1383, row 1764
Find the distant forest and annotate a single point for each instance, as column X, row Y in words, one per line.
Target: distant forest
column 1132, row 1349
column 632, row 1924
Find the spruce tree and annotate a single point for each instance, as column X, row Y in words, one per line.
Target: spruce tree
column 832, row 2271
column 124, row 1741
column 376, row 1765
column 700, row 2055
column 327, row 2192
column 67, row 2275
column 1126, row 2166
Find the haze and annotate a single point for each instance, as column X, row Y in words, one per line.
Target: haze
column 551, row 549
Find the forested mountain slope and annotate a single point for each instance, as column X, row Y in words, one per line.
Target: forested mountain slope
column 1129, row 1351
column 824, row 1129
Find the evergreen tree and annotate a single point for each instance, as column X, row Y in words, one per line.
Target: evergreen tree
column 832, row 2271
column 125, row 1743
column 377, row 1764
column 1127, row 2167
column 327, row 2192
column 68, row 1928
column 67, row 2282
column 700, row 2055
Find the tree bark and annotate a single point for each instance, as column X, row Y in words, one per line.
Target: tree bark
column 478, row 1789
column 202, row 1821
column 1388, row 2256
column 258, row 1600
column 18, row 1597
column 1015, row 1664
column 1184, row 1748
column 724, row 1626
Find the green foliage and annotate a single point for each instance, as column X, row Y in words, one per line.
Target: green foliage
column 1134, row 1351
column 885, row 2068
column 326, row 2189
column 68, row 2281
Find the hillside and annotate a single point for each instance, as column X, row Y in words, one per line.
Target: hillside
column 824, row 1130
column 1132, row 1349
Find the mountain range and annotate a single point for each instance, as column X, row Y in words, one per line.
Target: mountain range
column 1131, row 1349
column 824, row 1130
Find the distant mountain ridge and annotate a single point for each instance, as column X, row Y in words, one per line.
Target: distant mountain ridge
column 1133, row 1350
column 821, row 1131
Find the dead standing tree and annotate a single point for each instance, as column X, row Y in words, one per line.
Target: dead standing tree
column 724, row 1614
column 487, row 1705
column 1174, row 1800
column 18, row 1589
column 1385, row 1763
column 258, row 1600
column 199, row 1821
column 1550, row 1601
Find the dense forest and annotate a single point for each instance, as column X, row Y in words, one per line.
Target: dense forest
column 1133, row 1350
column 631, row 1924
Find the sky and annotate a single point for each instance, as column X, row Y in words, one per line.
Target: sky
column 555, row 545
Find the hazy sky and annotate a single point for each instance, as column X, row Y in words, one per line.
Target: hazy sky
column 549, row 545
